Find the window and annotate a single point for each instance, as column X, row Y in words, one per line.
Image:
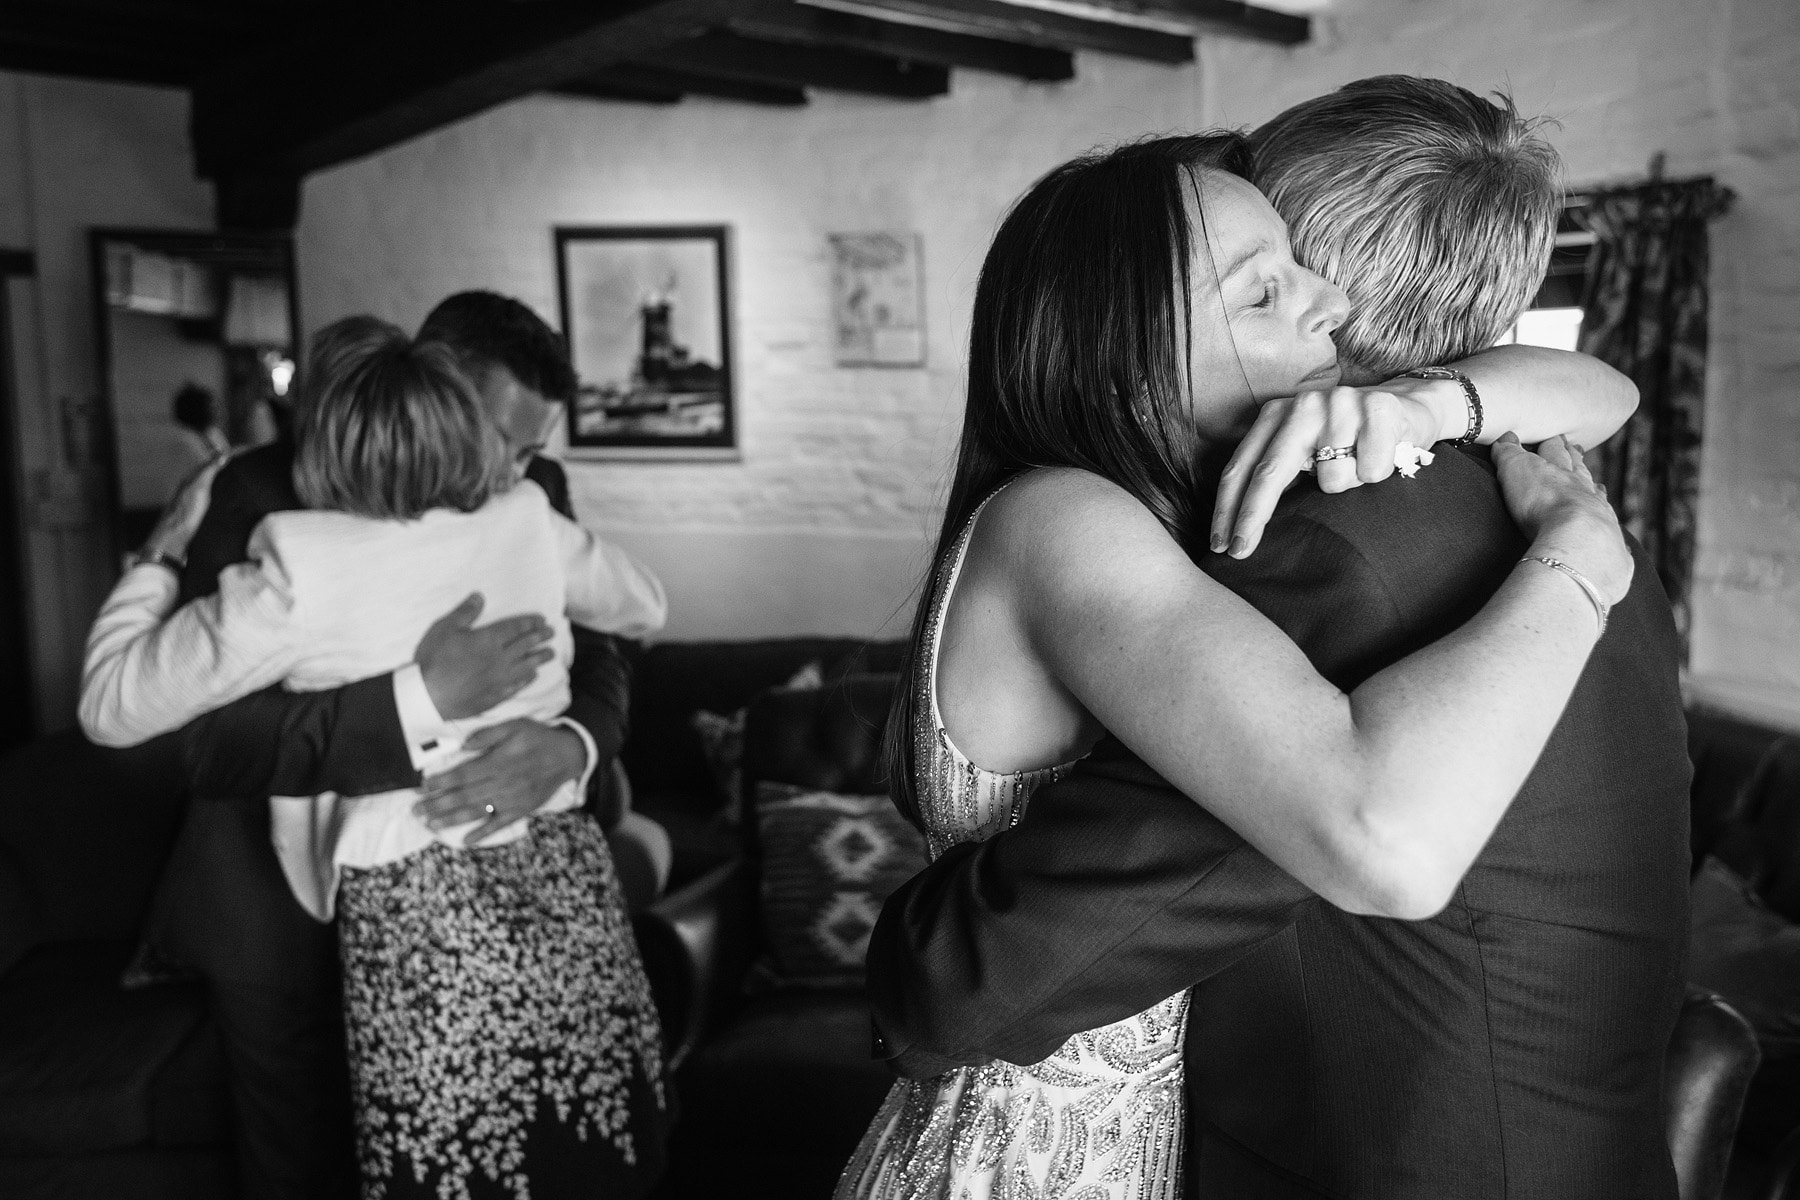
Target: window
column 1554, row 318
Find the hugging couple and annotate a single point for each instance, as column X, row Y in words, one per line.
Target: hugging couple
column 1347, row 859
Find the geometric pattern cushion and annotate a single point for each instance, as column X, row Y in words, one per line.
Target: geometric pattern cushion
column 828, row 862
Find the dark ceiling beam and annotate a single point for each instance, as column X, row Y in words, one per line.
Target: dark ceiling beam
column 604, row 87
column 788, row 64
column 144, row 43
column 399, row 74
column 782, row 21
column 1230, row 17
column 690, row 83
column 1018, row 23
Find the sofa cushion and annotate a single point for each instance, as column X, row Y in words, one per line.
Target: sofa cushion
column 673, row 680
column 18, row 915
column 790, row 1070
column 89, row 1067
column 1748, row 954
column 88, row 829
column 828, row 861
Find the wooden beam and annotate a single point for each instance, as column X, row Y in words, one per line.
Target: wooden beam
column 1232, row 18
column 1032, row 26
column 782, row 21
column 398, row 75
column 689, row 83
column 603, row 87
column 144, row 43
column 788, row 64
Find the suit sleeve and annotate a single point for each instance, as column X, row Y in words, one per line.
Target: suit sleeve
column 1114, row 891
column 600, row 676
column 1112, row 894
column 276, row 742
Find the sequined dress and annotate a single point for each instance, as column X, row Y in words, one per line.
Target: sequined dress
column 1103, row 1118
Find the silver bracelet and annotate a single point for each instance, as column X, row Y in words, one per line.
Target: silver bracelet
column 156, row 558
column 1601, row 608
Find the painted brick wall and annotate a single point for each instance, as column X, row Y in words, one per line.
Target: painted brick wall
column 822, row 526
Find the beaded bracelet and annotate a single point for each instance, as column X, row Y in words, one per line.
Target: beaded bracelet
column 1471, row 397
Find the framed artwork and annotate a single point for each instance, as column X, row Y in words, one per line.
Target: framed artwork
column 647, row 313
column 878, row 315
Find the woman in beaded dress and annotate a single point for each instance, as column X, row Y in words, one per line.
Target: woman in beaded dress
column 1134, row 304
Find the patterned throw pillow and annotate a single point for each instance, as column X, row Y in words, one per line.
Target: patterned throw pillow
column 828, row 862
column 722, row 740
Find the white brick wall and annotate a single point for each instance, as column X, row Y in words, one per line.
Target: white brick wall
column 836, row 459
column 821, row 527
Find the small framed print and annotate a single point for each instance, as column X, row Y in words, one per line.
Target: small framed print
column 877, row 302
column 647, row 314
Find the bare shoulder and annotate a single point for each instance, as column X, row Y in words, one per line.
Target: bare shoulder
column 1053, row 515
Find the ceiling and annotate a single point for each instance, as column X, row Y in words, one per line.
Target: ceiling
column 284, row 87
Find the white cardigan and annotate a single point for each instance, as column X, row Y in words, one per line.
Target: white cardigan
column 328, row 598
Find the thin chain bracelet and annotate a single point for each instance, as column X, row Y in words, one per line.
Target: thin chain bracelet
column 1601, row 608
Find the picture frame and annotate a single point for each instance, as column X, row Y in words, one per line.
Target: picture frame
column 646, row 310
column 878, row 310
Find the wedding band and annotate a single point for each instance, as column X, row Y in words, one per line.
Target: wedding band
column 488, row 809
column 1328, row 453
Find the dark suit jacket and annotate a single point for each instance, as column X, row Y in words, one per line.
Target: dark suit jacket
column 1511, row 1046
column 347, row 740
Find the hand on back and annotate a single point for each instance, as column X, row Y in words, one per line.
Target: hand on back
column 468, row 670
column 1370, row 422
column 175, row 528
column 1564, row 512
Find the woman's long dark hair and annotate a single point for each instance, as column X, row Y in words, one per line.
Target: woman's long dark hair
column 1079, row 355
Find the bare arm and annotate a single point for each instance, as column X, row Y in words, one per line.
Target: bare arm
column 1378, row 800
column 1530, row 392
column 1534, row 393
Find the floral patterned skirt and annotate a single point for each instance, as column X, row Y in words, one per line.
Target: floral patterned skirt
column 502, row 1038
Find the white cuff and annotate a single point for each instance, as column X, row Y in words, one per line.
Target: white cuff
column 423, row 728
column 563, row 799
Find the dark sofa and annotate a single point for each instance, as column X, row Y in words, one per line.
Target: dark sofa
column 104, row 1092
column 113, row 1093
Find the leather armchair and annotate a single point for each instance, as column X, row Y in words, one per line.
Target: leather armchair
column 1706, row 1075
column 1782, row 1181
column 774, row 1089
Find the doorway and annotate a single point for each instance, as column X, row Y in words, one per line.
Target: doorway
column 15, row 656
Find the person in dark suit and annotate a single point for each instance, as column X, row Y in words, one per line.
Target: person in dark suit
column 226, row 909
column 1510, row 1044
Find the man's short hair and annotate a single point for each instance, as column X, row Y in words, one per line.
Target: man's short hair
column 1433, row 208
column 486, row 329
column 391, row 428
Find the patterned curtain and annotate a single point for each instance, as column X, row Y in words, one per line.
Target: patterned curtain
column 1645, row 303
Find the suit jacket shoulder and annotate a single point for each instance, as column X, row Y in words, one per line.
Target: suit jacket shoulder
column 1361, row 579
column 548, row 474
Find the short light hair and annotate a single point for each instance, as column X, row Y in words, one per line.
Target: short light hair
column 390, row 428
column 1433, row 208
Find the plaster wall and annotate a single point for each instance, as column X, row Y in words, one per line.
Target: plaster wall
column 823, row 526
column 74, row 154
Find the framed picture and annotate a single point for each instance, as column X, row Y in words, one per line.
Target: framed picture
column 879, row 318
column 647, row 313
